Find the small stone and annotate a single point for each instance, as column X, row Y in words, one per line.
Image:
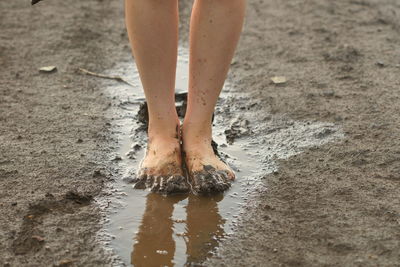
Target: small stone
column 117, row 158
column 38, row 238
column 136, row 147
column 65, row 262
column 130, row 154
column 48, row 69
column 279, row 79
column 359, row 260
column 328, row 93
column 97, row 173
column 128, row 180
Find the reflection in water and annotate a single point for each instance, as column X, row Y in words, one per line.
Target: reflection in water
column 204, row 227
column 155, row 244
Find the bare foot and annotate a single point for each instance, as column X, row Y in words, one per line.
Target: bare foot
column 161, row 168
column 207, row 173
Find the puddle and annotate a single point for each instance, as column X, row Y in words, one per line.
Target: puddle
column 146, row 229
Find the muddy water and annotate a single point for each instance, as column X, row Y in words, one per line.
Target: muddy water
column 147, row 229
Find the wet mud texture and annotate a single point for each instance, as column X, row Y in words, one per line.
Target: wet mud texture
column 210, row 181
column 163, row 184
column 335, row 205
column 54, row 135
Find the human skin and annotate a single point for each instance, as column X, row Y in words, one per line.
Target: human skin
column 215, row 28
column 152, row 27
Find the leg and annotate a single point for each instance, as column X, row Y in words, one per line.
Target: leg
column 153, row 33
column 214, row 33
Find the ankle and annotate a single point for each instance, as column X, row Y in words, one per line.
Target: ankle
column 196, row 139
column 164, row 129
column 192, row 131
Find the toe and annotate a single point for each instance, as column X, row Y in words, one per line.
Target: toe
column 181, row 184
column 210, row 182
column 149, row 181
column 204, row 183
column 156, row 184
column 140, row 182
column 222, row 184
column 198, row 182
column 176, row 184
column 163, row 183
column 226, row 179
column 142, row 171
column 231, row 175
column 227, row 175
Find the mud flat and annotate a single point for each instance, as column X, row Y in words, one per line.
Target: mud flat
column 336, row 204
column 146, row 229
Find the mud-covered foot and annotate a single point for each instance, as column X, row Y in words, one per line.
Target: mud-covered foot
column 207, row 173
column 161, row 168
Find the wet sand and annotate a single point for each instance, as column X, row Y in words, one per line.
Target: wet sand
column 335, row 204
column 193, row 226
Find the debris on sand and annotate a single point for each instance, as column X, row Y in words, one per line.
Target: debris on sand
column 136, row 146
column 324, row 133
column 110, row 77
column 380, row 64
column 239, row 127
column 131, row 154
column 35, row 2
column 48, row 69
column 180, row 104
column 279, row 79
column 143, row 114
column 128, row 179
column 117, row 158
column 343, row 53
column 65, row 262
column 78, row 197
column 38, row 238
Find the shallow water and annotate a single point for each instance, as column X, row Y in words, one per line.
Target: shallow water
column 147, row 229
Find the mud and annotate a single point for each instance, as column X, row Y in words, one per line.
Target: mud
column 210, row 181
column 126, row 218
column 335, row 204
